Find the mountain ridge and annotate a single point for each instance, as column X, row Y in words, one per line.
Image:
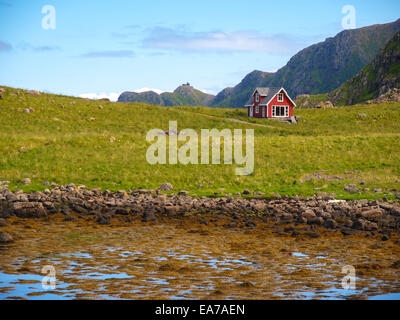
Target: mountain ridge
column 183, row 95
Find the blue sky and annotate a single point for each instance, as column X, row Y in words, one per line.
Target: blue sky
column 106, row 47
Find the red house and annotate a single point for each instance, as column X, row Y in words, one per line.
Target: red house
column 270, row 103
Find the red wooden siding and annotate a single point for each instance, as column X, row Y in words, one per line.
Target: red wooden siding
column 268, row 109
column 285, row 102
column 259, row 114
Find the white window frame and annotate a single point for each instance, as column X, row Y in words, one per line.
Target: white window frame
column 280, row 97
column 285, row 113
column 257, row 97
column 257, row 109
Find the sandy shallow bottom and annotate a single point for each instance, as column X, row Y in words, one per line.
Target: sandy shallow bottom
column 185, row 259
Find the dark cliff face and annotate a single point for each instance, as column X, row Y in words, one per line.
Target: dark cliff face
column 378, row 77
column 319, row 68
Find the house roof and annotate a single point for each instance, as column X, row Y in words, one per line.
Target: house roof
column 268, row 93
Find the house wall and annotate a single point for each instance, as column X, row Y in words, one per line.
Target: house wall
column 285, row 102
column 259, row 114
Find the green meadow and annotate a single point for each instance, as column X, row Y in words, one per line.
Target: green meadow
column 67, row 139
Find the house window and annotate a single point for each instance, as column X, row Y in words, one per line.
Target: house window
column 257, row 97
column 257, row 109
column 280, row 97
column 280, row 111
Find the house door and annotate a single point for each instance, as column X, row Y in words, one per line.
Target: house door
column 251, row 111
column 263, row 112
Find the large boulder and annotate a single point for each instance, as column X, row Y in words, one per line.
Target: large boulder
column 372, row 214
column 33, row 92
column 28, row 209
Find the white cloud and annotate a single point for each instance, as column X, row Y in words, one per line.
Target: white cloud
column 113, row 96
column 219, row 41
column 109, row 54
column 149, row 89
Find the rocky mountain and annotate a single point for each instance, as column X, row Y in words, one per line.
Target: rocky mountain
column 230, row 96
column 149, row 97
column 319, row 68
column 183, row 95
column 375, row 80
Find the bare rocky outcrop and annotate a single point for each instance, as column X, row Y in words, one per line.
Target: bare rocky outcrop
column 378, row 82
column 310, row 101
column 33, row 92
column 392, row 95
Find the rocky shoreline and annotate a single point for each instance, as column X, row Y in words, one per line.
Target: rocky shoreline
column 321, row 211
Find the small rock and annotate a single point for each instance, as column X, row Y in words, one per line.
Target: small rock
column 3, row 222
column 312, row 234
column 166, row 187
column 348, row 232
column 148, row 216
column 183, row 193
column 112, row 139
column 26, row 181
column 103, row 220
column 308, row 214
column 315, row 220
column 246, row 284
column 250, row 224
column 246, row 191
column 5, row 237
column 351, row 188
column 330, row 224
column 166, row 267
column 358, row 224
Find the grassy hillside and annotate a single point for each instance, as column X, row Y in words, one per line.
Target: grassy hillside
column 67, row 140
